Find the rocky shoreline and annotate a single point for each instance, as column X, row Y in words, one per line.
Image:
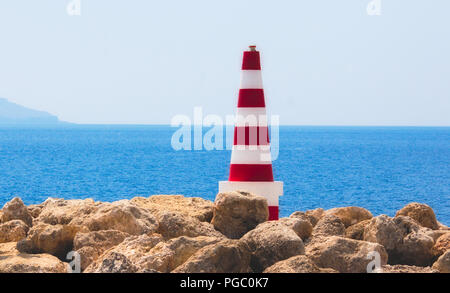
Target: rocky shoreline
column 172, row 233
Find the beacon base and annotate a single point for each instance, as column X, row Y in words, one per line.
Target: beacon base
column 270, row 190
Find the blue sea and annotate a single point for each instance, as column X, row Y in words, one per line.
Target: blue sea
column 378, row 168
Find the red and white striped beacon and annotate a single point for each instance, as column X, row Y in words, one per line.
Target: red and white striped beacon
column 251, row 162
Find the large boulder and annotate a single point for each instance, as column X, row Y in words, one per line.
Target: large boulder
column 421, row 213
column 90, row 245
column 172, row 225
column 271, row 242
column 297, row 264
column 166, row 256
column 53, row 239
column 16, row 210
column 441, row 245
column 350, row 215
column 196, row 207
column 131, row 252
column 32, row 263
column 302, row 227
column 236, row 213
column 383, row 230
column 112, row 262
column 407, row 269
column 13, row 230
column 226, row 256
column 329, row 225
column 12, row 261
column 60, row 211
column 356, row 231
column 343, row 254
column 405, row 241
column 443, row 263
column 121, row 216
column 313, row 216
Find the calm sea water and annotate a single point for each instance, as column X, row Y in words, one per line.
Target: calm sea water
column 379, row 168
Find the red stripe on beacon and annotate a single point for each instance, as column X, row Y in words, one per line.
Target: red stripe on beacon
column 251, row 163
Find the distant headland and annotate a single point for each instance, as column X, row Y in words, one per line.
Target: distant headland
column 14, row 114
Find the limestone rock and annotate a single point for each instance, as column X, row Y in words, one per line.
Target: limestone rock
column 8, row 248
column 383, row 230
column 356, row 231
column 131, row 252
column 60, row 211
column 443, row 263
column 53, row 239
column 312, row 215
column 271, row 242
column 16, row 210
column 90, row 245
column 350, row 215
column 32, row 263
column 297, row 264
column 196, row 207
column 441, row 245
column 112, row 262
column 343, row 254
column 405, row 241
column 172, row 225
column 329, row 225
column 302, row 227
column 166, row 256
column 421, row 213
column 121, row 216
column 407, row 269
column 13, row 230
column 226, row 256
column 236, row 213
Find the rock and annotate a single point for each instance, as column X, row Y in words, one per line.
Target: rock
column 312, row 215
column 407, row 269
column 329, row 225
column 133, row 248
column 443, row 263
column 32, row 263
column 166, row 256
column 53, row 239
column 297, row 264
column 302, row 227
column 405, row 241
column 226, row 256
column 421, row 213
column 442, row 226
column 172, row 225
column 34, row 210
column 416, row 249
column 350, row 215
column 16, row 210
column 383, row 230
column 8, row 248
column 13, row 230
column 236, row 213
column 196, row 207
column 343, row 254
column 55, row 211
column 271, row 242
column 12, row 261
column 441, row 245
column 90, row 245
column 356, row 231
column 121, row 216
column 113, row 262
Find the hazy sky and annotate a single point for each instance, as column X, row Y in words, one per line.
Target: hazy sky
column 324, row 62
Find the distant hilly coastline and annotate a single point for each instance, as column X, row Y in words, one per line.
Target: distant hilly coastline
column 14, row 114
